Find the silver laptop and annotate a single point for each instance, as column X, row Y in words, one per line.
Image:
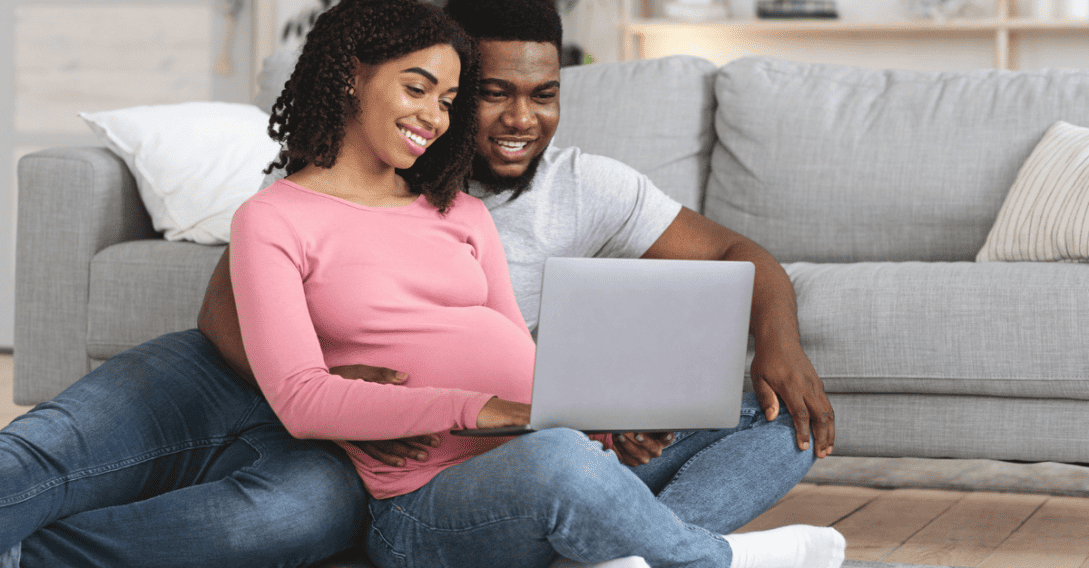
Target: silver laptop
column 639, row 345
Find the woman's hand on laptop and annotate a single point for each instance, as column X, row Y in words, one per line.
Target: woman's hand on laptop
column 498, row 413
column 638, row 448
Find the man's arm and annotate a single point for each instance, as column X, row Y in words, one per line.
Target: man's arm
column 780, row 367
column 218, row 319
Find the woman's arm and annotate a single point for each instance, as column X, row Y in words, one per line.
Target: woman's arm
column 267, row 267
column 218, row 322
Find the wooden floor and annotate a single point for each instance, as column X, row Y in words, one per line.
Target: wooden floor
column 943, row 528
column 8, row 409
column 906, row 526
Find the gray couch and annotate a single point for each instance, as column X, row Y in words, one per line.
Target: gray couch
column 874, row 188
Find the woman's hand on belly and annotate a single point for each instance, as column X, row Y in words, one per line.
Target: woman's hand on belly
column 498, row 413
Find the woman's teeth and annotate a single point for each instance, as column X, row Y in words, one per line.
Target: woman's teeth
column 415, row 138
column 512, row 146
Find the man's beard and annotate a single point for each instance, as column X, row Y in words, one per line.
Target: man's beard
column 495, row 183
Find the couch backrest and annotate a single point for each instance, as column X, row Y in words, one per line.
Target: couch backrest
column 653, row 115
column 841, row 164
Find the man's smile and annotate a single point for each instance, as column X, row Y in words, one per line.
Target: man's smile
column 513, row 148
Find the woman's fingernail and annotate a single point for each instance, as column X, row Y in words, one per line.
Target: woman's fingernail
column 620, row 437
column 639, row 437
column 401, row 375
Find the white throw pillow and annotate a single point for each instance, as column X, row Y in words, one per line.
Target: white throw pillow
column 194, row 163
column 1045, row 216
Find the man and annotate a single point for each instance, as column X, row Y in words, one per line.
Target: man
column 163, row 456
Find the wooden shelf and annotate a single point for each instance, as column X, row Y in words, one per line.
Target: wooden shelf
column 661, row 25
column 1000, row 27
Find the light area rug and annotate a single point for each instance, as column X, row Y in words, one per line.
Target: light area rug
column 863, row 564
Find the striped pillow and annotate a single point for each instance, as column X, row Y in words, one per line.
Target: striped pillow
column 1046, row 214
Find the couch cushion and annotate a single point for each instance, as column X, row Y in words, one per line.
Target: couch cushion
column 827, row 163
column 1045, row 216
column 143, row 289
column 966, row 427
column 991, row 329
column 653, row 115
column 276, row 69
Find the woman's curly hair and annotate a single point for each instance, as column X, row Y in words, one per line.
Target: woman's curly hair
column 309, row 116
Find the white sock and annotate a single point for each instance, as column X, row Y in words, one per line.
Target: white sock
column 794, row 546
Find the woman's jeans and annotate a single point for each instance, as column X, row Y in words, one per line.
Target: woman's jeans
column 163, row 457
column 556, row 491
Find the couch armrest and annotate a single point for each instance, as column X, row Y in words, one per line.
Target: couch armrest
column 73, row 202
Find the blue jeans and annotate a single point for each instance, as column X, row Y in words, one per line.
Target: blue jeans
column 163, row 457
column 556, row 491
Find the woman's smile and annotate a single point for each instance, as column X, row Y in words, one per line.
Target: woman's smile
column 416, row 138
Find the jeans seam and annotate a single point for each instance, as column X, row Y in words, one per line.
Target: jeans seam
column 259, row 399
column 401, row 557
column 112, row 467
column 403, row 512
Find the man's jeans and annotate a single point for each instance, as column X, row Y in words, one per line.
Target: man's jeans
column 163, row 457
column 556, row 491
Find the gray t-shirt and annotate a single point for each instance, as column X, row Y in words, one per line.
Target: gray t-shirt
column 579, row 205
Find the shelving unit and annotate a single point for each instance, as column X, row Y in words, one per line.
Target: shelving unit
column 1004, row 28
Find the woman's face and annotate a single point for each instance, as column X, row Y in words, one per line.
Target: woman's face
column 404, row 105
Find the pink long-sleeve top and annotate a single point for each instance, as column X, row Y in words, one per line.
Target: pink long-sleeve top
column 322, row 282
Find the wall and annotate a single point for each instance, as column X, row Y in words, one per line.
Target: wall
column 65, row 56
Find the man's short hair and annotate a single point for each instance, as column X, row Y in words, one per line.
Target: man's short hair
column 509, row 20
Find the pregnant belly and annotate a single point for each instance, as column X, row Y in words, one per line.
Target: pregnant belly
column 472, row 348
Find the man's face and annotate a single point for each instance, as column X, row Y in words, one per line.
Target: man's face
column 519, row 109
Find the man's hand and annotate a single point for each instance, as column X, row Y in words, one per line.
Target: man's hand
column 370, row 374
column 787, row 372
column 395, row 452
column 638, row 448
column 390, row 452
